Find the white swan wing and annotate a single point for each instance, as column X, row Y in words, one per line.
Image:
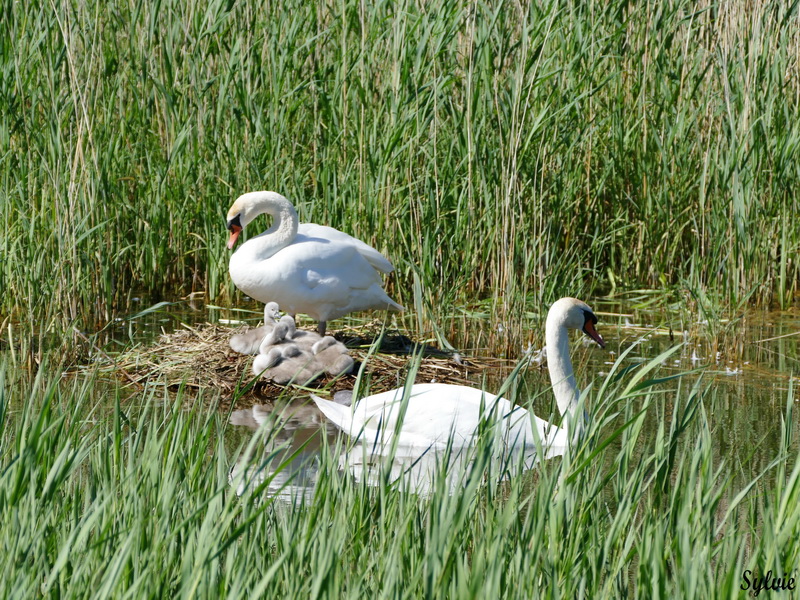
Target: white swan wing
column 373, row 257
column 334, row 279
column 434, row 413
column 327, row 262
column 374, row 421
column 322, row 278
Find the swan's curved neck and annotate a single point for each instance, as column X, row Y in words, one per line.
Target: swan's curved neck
column 284, row 224
column 560, row 366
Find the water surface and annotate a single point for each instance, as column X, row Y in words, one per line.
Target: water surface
column 747, row 361
column 746, row 365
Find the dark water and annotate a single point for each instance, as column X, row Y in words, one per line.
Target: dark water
column 746, row 363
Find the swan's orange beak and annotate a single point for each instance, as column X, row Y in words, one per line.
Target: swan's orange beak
column 588, row 329
column 235, row 227
column 235, row 231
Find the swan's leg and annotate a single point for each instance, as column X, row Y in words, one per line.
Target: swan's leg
column 323, row 325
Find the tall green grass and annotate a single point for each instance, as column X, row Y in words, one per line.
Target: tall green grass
column 139, row 503
column 510, row 152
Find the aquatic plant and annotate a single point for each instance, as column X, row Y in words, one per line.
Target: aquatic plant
column 139, row 502
column 501, row 152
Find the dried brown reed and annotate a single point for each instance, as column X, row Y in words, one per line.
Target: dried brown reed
column 200, row 357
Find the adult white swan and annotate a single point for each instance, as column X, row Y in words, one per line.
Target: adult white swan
column 305, row 268
column 435, row 412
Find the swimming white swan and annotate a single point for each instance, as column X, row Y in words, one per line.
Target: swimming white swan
column 249, row 341
column 435, row 412
column 306, row 268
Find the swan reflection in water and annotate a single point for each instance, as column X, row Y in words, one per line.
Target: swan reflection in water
column 283, row 454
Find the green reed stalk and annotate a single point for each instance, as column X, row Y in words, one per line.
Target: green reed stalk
column 507, row 153
column 139, row 502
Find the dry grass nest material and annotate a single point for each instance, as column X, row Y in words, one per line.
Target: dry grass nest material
column 200, row 357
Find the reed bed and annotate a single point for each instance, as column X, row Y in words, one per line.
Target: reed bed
column 139, row 502
column 501, row 155
column 505, row 152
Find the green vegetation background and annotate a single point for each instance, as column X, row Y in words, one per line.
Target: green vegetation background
column 508, row 152
column 514, row 151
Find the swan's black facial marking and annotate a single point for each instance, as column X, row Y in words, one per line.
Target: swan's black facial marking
column 235, row 222
column 235, row 227
column 589, row 321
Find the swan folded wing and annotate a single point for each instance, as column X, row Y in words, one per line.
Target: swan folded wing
column 335, row 281
column 321, row 233
column 435, row 414
column 515, row 420
column 329, row 262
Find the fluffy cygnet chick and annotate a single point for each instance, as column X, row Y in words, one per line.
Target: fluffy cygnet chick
column 277, row 335
column 266, row 360
column 284, row 360
column 343, row 397
column 332, row 356
column 296, row 366
column 249, row 342
column 288, row 354
column 299, row 336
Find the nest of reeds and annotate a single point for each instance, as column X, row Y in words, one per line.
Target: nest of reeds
column 200, row 357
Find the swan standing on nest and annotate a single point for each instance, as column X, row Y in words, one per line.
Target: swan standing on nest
column 312, row 269
column 435, row 412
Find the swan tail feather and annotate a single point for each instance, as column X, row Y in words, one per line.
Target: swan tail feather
column 336, row 413
column 395, row 307
column 384, row 299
